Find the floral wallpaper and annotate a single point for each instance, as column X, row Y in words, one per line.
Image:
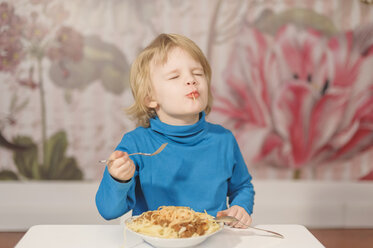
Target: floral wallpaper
column 291, row 79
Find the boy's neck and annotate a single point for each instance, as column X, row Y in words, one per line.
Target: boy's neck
column 179, row 120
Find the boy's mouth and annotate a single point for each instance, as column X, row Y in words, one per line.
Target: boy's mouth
column 193, row 95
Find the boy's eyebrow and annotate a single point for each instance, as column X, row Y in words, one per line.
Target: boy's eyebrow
column 177, row 70
column 173, row 71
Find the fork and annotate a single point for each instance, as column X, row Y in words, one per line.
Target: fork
column 138, row 153
column 229, row 219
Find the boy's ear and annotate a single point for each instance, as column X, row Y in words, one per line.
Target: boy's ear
column 153, row 104
column 150, row 103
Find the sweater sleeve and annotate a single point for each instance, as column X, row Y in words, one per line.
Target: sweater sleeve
column 114, row 198
column 240, row 189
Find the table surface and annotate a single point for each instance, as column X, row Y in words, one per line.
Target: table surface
column 112, row 236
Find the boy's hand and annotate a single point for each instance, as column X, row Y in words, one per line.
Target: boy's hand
column 240, row 214
column 121, row 166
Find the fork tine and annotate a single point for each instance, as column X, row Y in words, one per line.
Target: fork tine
column 140, row 153
column 151, row 154
column 160, row 148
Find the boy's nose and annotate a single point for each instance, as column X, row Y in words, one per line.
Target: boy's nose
column 191, row 82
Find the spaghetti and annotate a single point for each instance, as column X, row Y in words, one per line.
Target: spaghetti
column 174, row 222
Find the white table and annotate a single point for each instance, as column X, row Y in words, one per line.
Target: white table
column 112, row 236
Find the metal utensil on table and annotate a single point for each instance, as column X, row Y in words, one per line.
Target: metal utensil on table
column 139, row 153
column 229, row 219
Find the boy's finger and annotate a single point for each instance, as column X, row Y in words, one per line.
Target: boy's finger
column 123, row 162
column 246, row 221
column 239, row 214
column 226, row 212
column 240, row 222
column 125, row 166
column 118, row 154
column 119, row 162
column 114, row 155
column 125, row 156
column 222, row 213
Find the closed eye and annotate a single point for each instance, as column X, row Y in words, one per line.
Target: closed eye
column 174, row 77
column 198, row 74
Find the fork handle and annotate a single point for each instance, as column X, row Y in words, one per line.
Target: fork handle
column 275, row 233
column 139, row 153
column 111, row 160
column 233, row 219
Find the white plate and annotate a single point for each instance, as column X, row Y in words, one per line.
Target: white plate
column 175, row 243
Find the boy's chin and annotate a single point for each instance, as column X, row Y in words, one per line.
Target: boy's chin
column 191, row 113
column 197, row 109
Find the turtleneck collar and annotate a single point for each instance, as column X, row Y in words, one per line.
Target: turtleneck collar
column 186, row 134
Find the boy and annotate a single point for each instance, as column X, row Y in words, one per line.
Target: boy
column 202, row 163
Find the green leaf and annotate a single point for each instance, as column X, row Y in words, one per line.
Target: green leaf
column 58, row 166
column 7, row 175
column 69, row 170
column 9, row 145
column 26, row 160
column 56, row 148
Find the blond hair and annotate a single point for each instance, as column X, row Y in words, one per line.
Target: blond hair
column 140, row 81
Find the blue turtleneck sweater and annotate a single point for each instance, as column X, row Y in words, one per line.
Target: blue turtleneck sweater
column 201, row 166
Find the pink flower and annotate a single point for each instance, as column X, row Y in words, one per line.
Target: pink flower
column 9, row 21
column 68, row 44
column 367, row 177
column 310, row 95
column 11, row 49
column 36, row 32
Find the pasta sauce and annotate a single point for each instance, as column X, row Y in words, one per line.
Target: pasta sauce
column 174, row 222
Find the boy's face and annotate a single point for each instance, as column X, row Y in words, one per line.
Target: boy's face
column 180, row 90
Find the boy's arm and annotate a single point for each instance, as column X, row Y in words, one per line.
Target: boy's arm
column 240, row 189
column 113, row 198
